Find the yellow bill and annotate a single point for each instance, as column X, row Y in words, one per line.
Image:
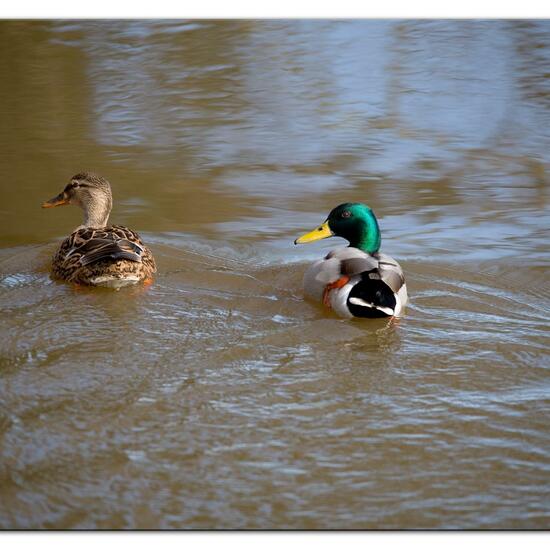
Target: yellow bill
column 56, row 201
column 322, row 232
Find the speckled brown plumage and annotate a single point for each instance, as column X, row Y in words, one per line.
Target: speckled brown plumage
column 115, row 251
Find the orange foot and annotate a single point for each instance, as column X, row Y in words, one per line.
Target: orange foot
column 339, row 283
column 148, row 281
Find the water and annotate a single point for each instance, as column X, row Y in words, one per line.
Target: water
column 218, row 397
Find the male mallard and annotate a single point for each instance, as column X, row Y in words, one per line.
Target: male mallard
column 94, row 253
column 357, row 281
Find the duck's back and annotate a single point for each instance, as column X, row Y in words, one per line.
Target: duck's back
column 109, row 256
column 373, row 278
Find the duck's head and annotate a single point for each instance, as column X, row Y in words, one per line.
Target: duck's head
column 354, row 222
column 89, row 191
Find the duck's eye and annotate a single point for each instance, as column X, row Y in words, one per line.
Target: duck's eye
column 346, row 214
column 71, row 186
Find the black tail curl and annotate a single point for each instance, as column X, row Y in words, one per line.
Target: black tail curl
column 372, row 291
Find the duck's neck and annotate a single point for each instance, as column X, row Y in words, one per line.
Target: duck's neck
column 367, row 237
column 96, row 214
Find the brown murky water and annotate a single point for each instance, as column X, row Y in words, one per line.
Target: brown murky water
column 218, row 398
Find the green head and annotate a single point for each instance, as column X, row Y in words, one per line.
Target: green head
column 354, row 222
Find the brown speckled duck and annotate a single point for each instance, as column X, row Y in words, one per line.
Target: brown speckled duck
column 95, row 253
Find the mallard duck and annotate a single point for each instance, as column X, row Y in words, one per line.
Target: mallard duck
column 357, row 281
column 94, row 253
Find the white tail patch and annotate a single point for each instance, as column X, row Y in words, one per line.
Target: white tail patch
column 360, row 302
column 114, row 282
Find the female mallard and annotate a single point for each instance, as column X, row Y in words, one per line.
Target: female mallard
column 94, row 253
column 357, row 281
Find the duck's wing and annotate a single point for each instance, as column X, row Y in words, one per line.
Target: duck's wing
column 352, row 261
column 86, row 246
column 337, row 263
column 372, row 268
column 101, row 249
column 390, row 272
column 347, row 261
